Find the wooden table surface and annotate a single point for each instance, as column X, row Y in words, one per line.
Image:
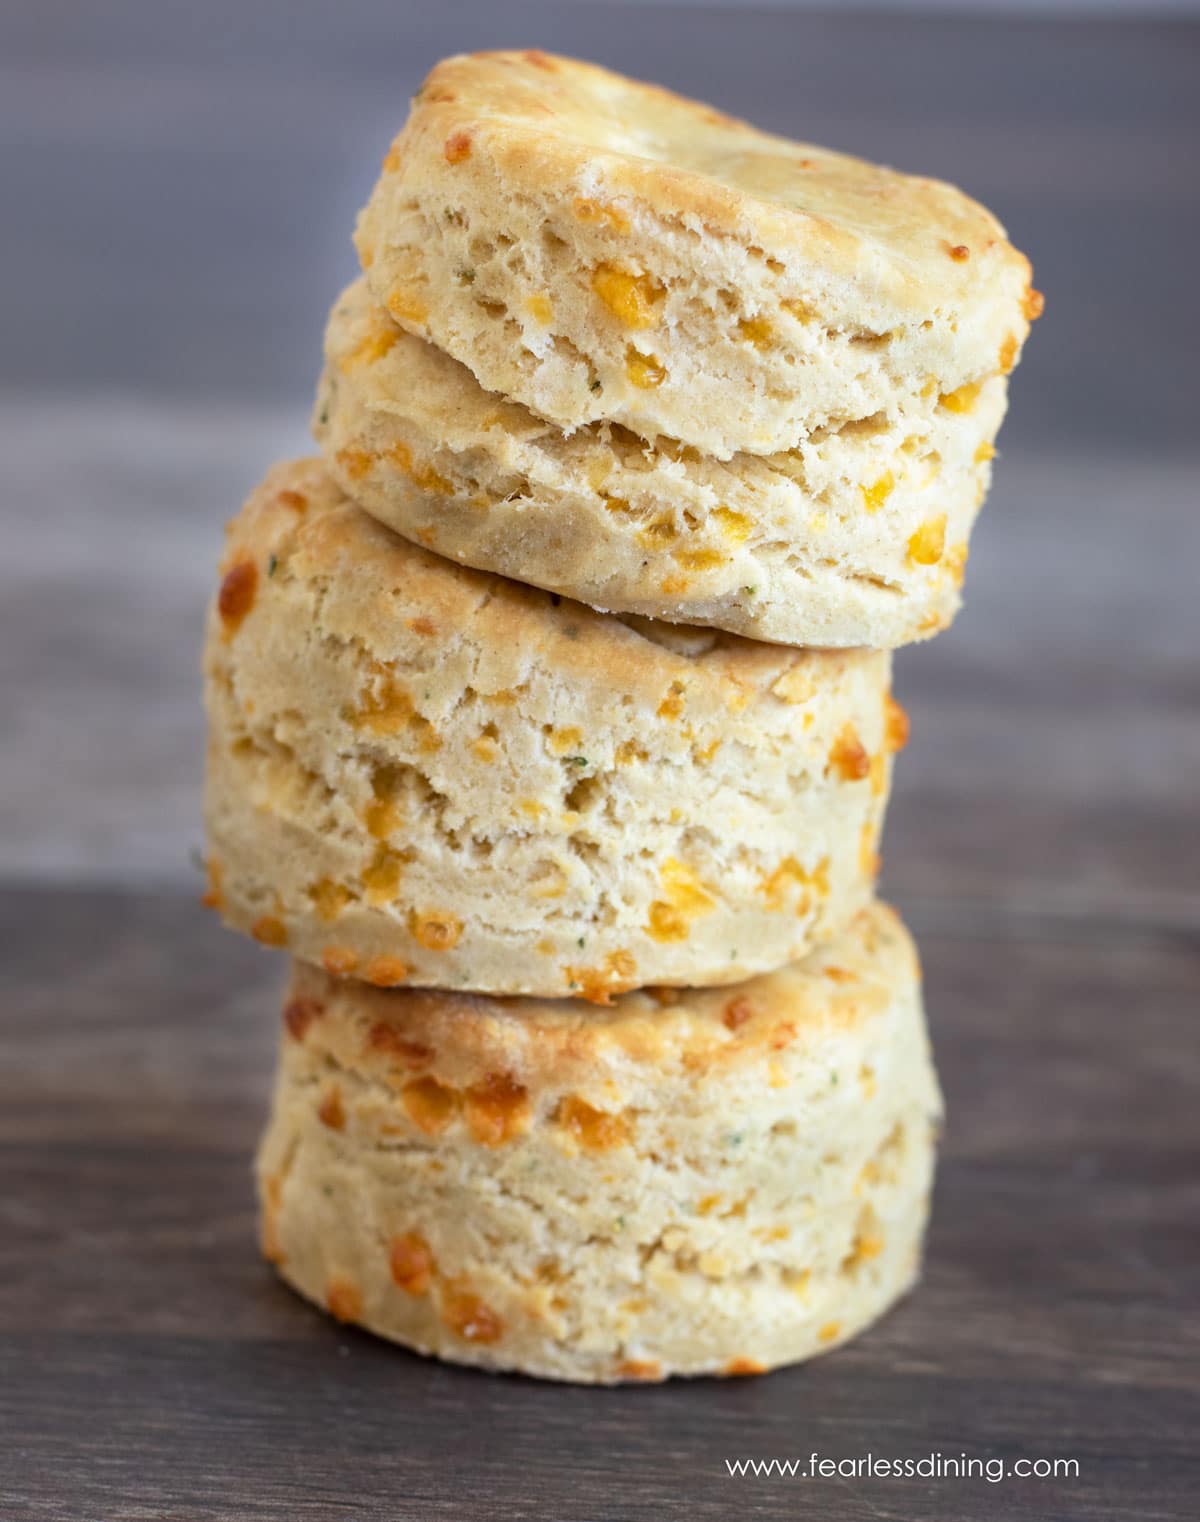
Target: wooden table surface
column 178, row 185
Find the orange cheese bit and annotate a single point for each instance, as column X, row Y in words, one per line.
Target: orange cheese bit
column 757, row 331
column 411, row 1263
column 381, row 878
column 355, row 462
column 848, row 757
column 330, row 1111
column 236, row 596
column 436, row 929
column 790, row 873
column 344, row 1298
column 269, row 931
column 743, row 1366
column 468, row 1316
column 497, row 1110
column 876, row 495
column 371, row 349
column 339, row 961
column 213, row 898
column 633, row 299
column 927, row 543
column 328, row 898
column 405, row 305
column 385, row 972
column 643, row 370
column 430, row 1105
column 298, row 1015
column 895, row 725
column 539, row 308
column 737, row 1012
column 672, row 704
column 962, row 400
column 592, row 1129
column 457, row 147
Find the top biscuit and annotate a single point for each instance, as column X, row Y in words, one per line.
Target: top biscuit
column 596, row 248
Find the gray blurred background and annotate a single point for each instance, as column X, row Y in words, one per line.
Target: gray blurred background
column 178, row 184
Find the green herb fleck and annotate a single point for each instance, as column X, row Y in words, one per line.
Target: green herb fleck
column 272, row 562
column 749, row 591
column 580, row 942
column 323, row 415
column 734, row 1139
column 577, row 761
column 597, row 384
column 833, row 1078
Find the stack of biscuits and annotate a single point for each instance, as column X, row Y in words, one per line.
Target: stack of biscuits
column 551, row 729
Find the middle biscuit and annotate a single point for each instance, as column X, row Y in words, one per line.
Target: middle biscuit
column 424, row 774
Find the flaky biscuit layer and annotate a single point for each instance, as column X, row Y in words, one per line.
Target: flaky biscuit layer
column 684, row 1183
column 599, row 249
column 859, row 537
column 422, row 774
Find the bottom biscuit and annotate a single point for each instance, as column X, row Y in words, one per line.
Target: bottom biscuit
column 688, row 1182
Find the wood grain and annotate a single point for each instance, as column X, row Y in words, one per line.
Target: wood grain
column 153, row 1367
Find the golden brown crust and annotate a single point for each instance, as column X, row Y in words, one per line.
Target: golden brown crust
column 544, row 120
column 599, row 249
column 464, row 1039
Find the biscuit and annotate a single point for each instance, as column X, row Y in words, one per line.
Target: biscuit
column 596, row 248
column 857, row 536
column 714, row 1182
column 421, row 773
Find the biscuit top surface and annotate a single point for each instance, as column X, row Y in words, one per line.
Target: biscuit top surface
column 839, row 991
column 304, row 542
column 548, row 120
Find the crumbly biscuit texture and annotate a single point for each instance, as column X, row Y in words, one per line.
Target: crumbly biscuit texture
column 714, row 1182
column 599, row 249
column 857, row 536
column 422, row 774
